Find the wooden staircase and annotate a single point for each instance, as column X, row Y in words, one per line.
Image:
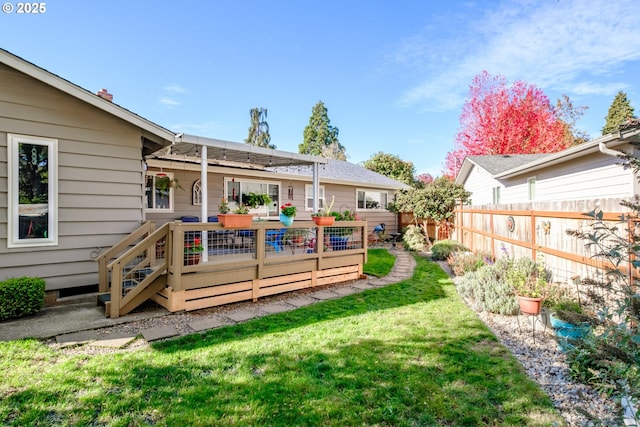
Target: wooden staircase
column 133, row 270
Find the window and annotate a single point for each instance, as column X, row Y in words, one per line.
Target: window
column 496, row 195
column 531, row 186
column 32, row 191
column 197, row 193
column 371, row 199
column 237, row 191
column 159, row 191
column 308, row 197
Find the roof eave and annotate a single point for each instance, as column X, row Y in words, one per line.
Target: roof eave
column 76, row 91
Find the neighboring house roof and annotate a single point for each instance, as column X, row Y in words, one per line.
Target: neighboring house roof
column 342, row 172
column 517, row 164
column 498, row 163
column 76, row 91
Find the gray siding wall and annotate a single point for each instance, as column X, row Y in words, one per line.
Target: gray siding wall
column 345, row 196
column 99, row 180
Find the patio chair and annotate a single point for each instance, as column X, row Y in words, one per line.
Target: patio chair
column 274, row 238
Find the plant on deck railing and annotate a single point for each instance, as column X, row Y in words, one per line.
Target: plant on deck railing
column 194, row 247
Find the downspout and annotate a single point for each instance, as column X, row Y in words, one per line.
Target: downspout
column 608, row 151
column 316, row 187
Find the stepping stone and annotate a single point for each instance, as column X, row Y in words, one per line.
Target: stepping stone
column 362, row 286
column 277, row 308
column 117, row 340
column 241, row 315
column 204, row 324
column 301, row 301
column 323, row 295
column 153, row 334
column 76, row 338
column 347, row 290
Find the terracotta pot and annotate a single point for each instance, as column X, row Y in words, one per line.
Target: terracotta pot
column 530, row 305
column 235, row 220
column 324, row 220
column 191, row 259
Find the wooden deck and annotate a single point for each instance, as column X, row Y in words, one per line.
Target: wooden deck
column 236, row 264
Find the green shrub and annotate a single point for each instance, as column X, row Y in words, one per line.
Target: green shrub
column 487, row 290
column 442, row 249
column 21, row 296
column 414, row 239
column 465, row 262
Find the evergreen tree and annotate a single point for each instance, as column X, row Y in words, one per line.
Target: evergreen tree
column 320, row 138
column 619, row 112
column 392, row 166
column 259, row 129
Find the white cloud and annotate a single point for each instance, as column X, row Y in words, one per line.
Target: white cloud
column 568, row 46
column 175, row 88
column 169, row 102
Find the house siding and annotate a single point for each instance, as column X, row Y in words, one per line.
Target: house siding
column 593, row 176
column 345, row 196
column 481, row 184
column 99, row 180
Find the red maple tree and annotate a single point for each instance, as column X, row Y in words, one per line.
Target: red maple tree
column 498, row 119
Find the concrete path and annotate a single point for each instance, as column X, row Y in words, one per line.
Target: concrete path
column 74, row 325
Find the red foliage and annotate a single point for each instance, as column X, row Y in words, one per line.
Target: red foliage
column 497, row 119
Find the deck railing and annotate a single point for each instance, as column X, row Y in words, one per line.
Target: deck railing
column 230, row 258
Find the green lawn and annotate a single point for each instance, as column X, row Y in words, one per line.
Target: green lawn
column 409, row 354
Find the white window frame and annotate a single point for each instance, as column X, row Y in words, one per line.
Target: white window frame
column 308, row 197
column 531, row 188
column 154, row 174
column 196, row 192
column 262, row 211
column 13, row 193
column 369, row 191
column 496, row 195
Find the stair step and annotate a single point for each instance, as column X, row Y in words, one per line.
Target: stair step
column 104, row 298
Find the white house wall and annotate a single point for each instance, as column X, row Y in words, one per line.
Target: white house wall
column 481, row 184
column 594, row 176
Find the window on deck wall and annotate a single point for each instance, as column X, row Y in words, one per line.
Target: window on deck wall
column 237, row 191
column 159, row 191
column 32, row 191
column 308, row 196
column 371, row 200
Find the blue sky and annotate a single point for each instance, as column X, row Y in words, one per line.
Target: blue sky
column 392, row 74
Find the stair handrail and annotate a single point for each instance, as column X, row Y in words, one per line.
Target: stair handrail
column 104, row 258
column 116, row 266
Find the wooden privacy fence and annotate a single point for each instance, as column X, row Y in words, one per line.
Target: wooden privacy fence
column 530, row 229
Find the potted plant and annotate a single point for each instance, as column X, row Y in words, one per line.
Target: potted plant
column 192, row 251
column 164, row 184
column 339, row 236
column 254, row 200
column 529, row 281
column 324, row 216
column 287, row 213
column 240, row 217
column 570, row 322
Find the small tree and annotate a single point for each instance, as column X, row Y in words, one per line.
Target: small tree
column 391, row 166
column 619, row 112
column 259, row 129
column 436, row 201
column 320, row 138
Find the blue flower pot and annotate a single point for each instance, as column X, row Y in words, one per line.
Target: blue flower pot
column 338, row 243
column 567, row 332
column 286, row 220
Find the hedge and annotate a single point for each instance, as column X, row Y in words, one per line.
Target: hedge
column 21, row 296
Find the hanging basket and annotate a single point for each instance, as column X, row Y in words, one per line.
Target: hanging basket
column 286, row 220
